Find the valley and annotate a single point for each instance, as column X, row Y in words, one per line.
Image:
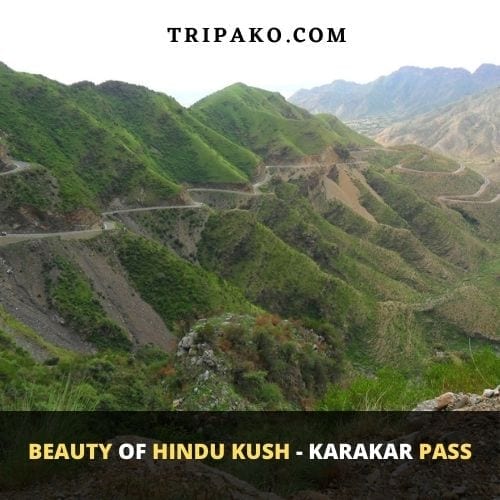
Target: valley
column 238, row 254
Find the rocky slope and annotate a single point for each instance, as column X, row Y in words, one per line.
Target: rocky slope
column 469, row 128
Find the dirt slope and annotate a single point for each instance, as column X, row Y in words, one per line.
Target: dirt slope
column 24, row 295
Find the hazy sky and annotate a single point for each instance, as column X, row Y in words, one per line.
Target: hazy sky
column 126, row 40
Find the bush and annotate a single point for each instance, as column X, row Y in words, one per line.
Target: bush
column 206, row 333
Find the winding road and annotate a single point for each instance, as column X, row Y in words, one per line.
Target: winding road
column 456, row 198
column 217, row 190
column 469, row 198
column 148, row 209
column 20, row 166
column 458, row 171
column 65, row 235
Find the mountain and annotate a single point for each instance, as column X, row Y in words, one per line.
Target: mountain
column 122, row 144
column 241, row 254
column 404, row 93
column 113, row 140
column 469, row 128
column 267, row 124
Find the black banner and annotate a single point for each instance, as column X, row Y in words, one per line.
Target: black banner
column 249, row 455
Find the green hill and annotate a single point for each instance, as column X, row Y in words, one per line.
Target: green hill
column 267, row 124
column 113, row 140
column 276, row 276
column 178, row 145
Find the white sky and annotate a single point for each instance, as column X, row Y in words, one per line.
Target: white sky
column 75, row 40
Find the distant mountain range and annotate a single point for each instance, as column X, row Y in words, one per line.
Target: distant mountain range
column 469, row 128
column 402, row 94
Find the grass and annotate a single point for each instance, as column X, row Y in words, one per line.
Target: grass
column 392, row 389
column 178, row 290
column 274, row 275
column 72, row 296
column 265, row 123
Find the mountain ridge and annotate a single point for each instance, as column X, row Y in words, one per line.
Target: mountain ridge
column 404, row 92
column 468, row 128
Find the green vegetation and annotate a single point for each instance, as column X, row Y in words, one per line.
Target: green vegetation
column 274, row 275
column 377, row 272
column 382, row 159
column 382, row 212
column 106, row 381
column 35, row 188
column 91, row 162
column 111, row 140
column 174, row 143
column 72, row 296
column 431, row 186
column 268, row 125
column 263, row 362
column 393, row 389
column 176, row 229
column 418, row 158
column 481, row 220
column 178, row 291
column 444, row 233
